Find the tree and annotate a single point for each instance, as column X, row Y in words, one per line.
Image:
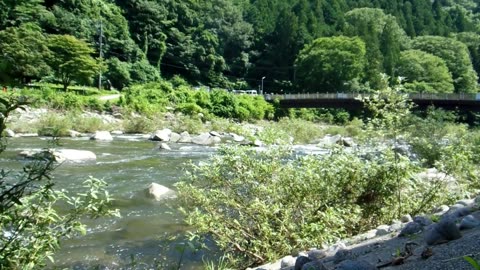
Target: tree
column 328, row 63
column 23, row 53
column 72, row 60
column 456, row 56
column 424, row 72
column 472, row 40
column 384, row 37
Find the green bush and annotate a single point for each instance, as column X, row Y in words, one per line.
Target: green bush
column 139, row 124
column 259, row 206
column 54, row 125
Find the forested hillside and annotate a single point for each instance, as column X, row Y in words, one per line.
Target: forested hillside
column 234, row 43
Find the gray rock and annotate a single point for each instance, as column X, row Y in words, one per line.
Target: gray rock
column 185, row 138
column 395, row 227
column 161, row 135
column 257, row 143
column 215, row 134
column 159, row 192
column 117, row 132
column 9, row 133
column 316, row 254
column 355, row 265
column 458, row 213
column 442, row 209
column 477, row 199
column 204, row 139
column 383, row 230
column 315, row 265
column 287, row 261
column 102, row 136
column 469, row 222
column 411, row 228
column 456, row 207
column 237, row 138
column 445, row 230
column 342, row 255
column 422, row 220
column 466, row 202
column 406, row 219
column 300, row 262
column 165, row 146
column 74, row 134
column 61, row 155
column 175, row 137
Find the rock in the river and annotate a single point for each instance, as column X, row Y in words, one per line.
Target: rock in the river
column 74, row 134
column 117, row 132
column 237, row 138
column 102, row 136
column 214, row 133
column 61, row 155
column 422, row 220
column 165, row 146
column 9, row 133
column 175, row 137
column 185, row 138
column 161, row 135
column 406, row 219
column 159, row 192
column 206, row 139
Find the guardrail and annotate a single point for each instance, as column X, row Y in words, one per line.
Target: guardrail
column 339, row 96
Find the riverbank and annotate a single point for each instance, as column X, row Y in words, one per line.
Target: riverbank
column 174, row 127
column 440, row 240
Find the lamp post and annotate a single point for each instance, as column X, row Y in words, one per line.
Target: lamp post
column 263, row 78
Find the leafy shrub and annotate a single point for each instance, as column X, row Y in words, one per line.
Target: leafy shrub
column 88, row 124
column 54, row 125
column 139, row 124
column 188, row 108
column 259, row 205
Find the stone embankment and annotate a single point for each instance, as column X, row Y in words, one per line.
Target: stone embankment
column 439, row 240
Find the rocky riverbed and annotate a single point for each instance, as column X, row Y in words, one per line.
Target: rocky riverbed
column 439, row 240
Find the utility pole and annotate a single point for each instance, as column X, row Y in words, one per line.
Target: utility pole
column 101, row 55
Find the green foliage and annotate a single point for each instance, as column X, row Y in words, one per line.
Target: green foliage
column 472, row 262
column 424, row 73
column 328, row 63
column 72, row 60
column 456, row 56
column 258, row 206
column 23, row 53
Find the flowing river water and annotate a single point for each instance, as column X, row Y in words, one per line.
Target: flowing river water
column 128, row 164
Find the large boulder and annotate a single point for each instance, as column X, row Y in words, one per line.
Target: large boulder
column 159, row 192
column 9, row 133
column 206, row 139
column 185, row 138
column 61, row 155
column 175, row 137
column 102, row 136
column 161, row 135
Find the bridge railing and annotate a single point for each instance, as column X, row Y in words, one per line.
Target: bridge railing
column 336, row 96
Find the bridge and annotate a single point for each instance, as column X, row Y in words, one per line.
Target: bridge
column 352, row 101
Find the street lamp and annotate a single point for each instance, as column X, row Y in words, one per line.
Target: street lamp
column 263, row 78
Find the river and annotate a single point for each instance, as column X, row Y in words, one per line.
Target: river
column 128, row 164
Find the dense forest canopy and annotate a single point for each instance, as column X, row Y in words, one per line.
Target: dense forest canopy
column 234, row 43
